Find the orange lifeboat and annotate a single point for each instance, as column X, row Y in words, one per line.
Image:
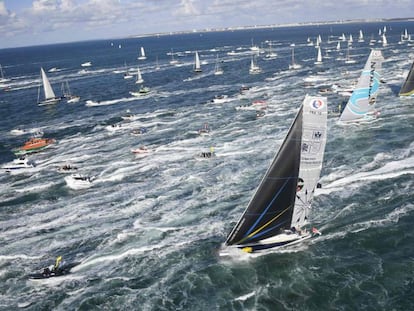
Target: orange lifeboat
column 34, row 144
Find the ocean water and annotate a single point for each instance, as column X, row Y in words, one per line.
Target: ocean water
column 148, row 231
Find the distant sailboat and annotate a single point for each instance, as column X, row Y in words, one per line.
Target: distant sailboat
column 217, row 68
column 384, row 40
column 142, row 56
column 271, row 53
column 50, row 97
column 2, row 78
column 173, row 61
column 157, row 65
column 139, row 77
column 338, row 46
column 278, row 212
column 408, row 87
column 254, row 68
column 361, row 36
column 348, row 59
column 70, row 98
column 293, row 64
column 197, row 65
column 361, row 103
column 319, row 57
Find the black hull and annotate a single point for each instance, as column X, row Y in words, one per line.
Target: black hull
column 60, row 272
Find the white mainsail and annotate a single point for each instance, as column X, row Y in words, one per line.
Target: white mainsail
column 319, row 57
column 315, row 114
column 142, row 57
column 364, row 95
column 139, row 77
column 50, row 97
column 384, row 40
column 361, row 36
column 197, row 65
column 47, row 88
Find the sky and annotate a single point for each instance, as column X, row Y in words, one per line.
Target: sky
column 37, row 22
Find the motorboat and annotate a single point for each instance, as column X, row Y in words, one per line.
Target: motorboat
column 79, row 181
column 139, row 131
column 18, row 164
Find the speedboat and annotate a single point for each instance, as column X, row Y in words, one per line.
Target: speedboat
column 92, row 103
column 18, row 164
column 79, row 181
column 70, row 99
column 34, row 144
column 219, row 99
column 140, row 151
column 129, row 117
column 143, row 90
column 18, row 131
column 113, row 127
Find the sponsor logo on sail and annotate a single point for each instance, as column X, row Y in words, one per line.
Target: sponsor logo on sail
column 317, row 104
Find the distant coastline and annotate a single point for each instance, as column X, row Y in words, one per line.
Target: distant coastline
column 235, row 28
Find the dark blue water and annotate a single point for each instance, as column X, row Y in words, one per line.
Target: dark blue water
column 147, row 232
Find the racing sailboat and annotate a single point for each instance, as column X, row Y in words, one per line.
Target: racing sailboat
column 360, row 105
column 277, row 214
column 408, row 87
column 50, row 97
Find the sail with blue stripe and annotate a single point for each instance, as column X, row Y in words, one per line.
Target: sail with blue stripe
column 363, row 98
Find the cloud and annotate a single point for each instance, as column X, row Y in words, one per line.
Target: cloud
column 10, row 23
column 71, row 19
column 186, row 8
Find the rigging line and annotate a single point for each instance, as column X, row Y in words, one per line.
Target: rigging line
column 308, row 205
column 267, row 208
column 264, row 226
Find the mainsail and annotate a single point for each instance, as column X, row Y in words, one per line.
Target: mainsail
column 364, row 95
column 47, row 88
column 408, row 87
column 283, row 197
column 142, row 56
column 197, row 66
column 50, row 97
column 313, row 147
